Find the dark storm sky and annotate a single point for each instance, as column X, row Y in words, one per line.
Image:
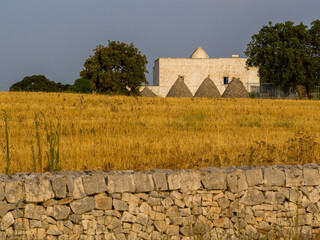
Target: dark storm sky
column 55, row 37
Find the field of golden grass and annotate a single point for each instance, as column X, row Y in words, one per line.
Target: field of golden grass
column 111, row 132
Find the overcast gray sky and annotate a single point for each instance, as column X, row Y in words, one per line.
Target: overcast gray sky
column 55, row 37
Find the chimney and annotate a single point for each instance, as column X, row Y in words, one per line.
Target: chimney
column 235, row 56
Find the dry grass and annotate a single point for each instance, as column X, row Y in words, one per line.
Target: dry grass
column 102, row 132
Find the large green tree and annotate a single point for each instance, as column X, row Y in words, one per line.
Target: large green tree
column 118, row 68
column 287, row 55
column 81, row 85
column 35, row 83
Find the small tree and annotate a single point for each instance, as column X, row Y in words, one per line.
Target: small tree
column 118, row 68
column 81, row 85
column 35, row 83
column 287, row 55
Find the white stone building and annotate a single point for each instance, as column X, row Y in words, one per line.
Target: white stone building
column 198, row 67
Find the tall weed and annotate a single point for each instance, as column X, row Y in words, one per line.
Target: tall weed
column 8, row 162
column 53, row 144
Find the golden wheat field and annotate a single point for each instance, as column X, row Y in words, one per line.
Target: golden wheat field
column 112, row 132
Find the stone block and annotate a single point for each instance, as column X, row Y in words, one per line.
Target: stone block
column 75, row 187
column 142, row 219
column 38, row 190
column 294, row 177
column 54, row 230
column 254, row 176
column 253, row 197
column 190, row 181
column 223, row 203
column 61, row 212
column 120, row 205
column 33, row 211
column 172, row 211
column 14, row 191
column 103, row 202
column 2, row 194
column 237, row 181
column 82, row 205
column 94, row 184
column 143, row 182
column 66, row 200
column 4, row 208
column 274, row 176
column 59, row 186
column 6, row 221
column 21, row 224
column 314, row 196
column 174, row 180
column 274, row 197
column 214, row 180
column 311, row 176
column 119, row 183
column 128, row 217
column 172, row 230
column 160, row 181
column 161, row 226
column 115, row 222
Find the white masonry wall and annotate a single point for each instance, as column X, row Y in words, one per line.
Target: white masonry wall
column 195, row 70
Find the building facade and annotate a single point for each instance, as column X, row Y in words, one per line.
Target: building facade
column 198, row 67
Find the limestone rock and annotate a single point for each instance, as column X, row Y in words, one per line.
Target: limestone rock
column 94, row 184
column 294, row 177
column 311, row 176
column 254, row 177
column 120, row 205
column 59, row 186
column 274, row 177
column 160, row 181
column 143, row 182
column 2, row 194
column 160, row 226
column 253, row 197
column 54, row 230
column 4, row 208
column 237, row 181
column 21, row 224
column 38, row 190
column 114, row 223
column 274, row 197
column 102, row 201
column 14, row 191
column 214, row 180
column 120, row 183
column 6, row 221
column 174, row 180
column 82, row 205
column 33, row 211
column 190, row 181
column 60, row 212
column 128, row 217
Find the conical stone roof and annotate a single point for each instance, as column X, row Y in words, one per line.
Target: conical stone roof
column 179, row 89
column 199, row 53
column 146, row 92
column 235, row 89
column 207, row 89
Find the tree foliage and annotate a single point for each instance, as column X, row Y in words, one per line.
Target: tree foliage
column 286, row 54
column 81, row 85
column 38, row 83
column 118, row 68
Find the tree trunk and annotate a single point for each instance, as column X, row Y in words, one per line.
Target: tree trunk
column 302, row 92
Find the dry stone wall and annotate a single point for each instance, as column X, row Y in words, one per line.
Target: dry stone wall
column 268, row 202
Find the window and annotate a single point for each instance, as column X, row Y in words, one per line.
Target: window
column 225, row 80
